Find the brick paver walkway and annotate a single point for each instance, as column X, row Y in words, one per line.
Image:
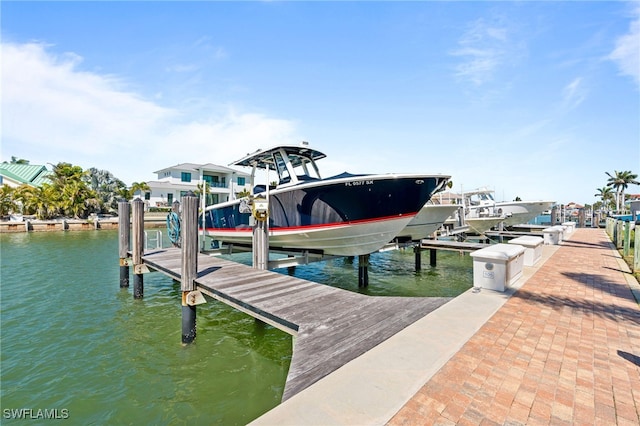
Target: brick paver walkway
column 565, row 349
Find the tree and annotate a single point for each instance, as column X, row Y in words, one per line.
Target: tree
column 606, row 195
column 74, row 195
column 43, row 201
column 15, row 160
column 7, row 202
column 107, row 189
column 139, row 187
column 620, row 181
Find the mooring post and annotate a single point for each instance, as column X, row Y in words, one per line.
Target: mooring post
column 363, row 270
column 124, row 233
column 418, row 256
column 137, row 242
column 619, row 235
column 636, row 252
column 432, row 256
column 189, row 264
column 626, row 251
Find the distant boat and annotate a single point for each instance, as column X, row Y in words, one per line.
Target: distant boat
column 479, row 216
column 16, row 217
column 345, row 215
column 515, row 212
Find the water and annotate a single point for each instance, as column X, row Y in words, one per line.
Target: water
column 73, row 341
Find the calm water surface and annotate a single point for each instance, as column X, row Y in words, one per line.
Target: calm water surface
column 72, row 340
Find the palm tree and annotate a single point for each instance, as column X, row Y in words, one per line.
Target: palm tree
column 606, row 195
column 69, row 182
column 7, row 202
column 620, row 181
column 15, row 160
column 138, row 187
column 44, row 202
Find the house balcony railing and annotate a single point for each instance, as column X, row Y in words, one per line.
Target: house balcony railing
column 217, row 185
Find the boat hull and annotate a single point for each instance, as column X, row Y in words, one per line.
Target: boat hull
column 345, row 216
column 428, row 220
column 517, row 212
column 480, row 225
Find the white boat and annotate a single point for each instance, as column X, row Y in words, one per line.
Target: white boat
column 429, row 219
column 479, row 216
column 480, row 225
column 515, row 212
column 345, row 215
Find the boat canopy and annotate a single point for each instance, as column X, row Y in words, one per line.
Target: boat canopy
column 298, row 155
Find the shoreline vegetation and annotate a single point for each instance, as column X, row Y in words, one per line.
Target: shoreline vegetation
column 31, row 224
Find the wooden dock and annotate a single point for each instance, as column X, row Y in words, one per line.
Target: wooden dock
column 330, row 326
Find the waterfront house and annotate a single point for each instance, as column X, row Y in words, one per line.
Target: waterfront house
column 173, row 182
column 15, row 174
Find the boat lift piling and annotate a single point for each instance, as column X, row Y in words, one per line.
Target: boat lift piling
column 417, row 256
column 363, row 270
column 137, row 242
column 124, row 233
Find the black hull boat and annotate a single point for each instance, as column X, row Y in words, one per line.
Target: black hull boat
column 346, row 215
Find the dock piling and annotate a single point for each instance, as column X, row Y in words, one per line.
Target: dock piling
column 137, row 242
column 417, row 252
column 124, row 233
column 189, row 264
column 363, row 270
column 433, row 253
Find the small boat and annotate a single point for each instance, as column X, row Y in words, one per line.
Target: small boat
column 346, row 215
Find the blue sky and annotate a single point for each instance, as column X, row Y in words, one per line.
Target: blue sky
column 532, row 99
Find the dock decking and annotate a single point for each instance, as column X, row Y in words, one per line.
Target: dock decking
column 331, row 326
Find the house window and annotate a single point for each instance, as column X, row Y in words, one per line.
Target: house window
column 185, row 177
column 241, row 181
column 147, row 195
column 170, row 199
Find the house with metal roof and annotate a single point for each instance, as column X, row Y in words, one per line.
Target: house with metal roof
column 14, row 175
column 173, row 182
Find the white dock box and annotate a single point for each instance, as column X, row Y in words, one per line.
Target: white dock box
column 570, row 227
column 552, row 235
column 498, row 266
column 532, row 248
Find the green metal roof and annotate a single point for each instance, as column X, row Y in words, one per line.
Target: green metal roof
column 25, row 173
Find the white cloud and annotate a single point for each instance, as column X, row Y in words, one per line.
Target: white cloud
column 574, row 93
column 627, row 51
column 483, row 48
column 53, row 111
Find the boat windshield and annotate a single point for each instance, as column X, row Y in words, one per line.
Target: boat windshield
column 485, row 196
